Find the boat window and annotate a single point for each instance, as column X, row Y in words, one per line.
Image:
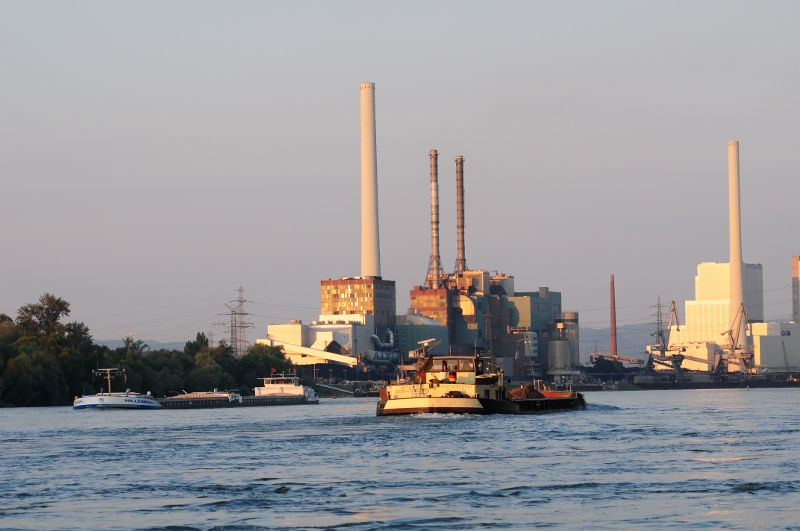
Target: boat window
column 479, row 368
column 466, row 365
column 449, row 365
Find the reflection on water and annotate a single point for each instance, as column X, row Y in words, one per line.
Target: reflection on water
column 683, row 459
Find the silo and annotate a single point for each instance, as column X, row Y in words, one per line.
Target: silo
column 566, row 327
column 558, row 354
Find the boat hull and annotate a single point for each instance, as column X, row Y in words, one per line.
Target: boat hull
column 479, row 406
column 460, row 405
column 246, row 401
column 115, row 402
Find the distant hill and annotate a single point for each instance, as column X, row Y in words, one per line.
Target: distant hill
column 154, row 345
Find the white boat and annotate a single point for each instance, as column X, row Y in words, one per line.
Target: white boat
column 126, row 400
column 288, row 387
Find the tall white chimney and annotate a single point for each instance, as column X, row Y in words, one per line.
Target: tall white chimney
column 796, row 288
column 370, row 242
column 734, row 209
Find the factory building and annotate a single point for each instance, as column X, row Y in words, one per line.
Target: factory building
column 708, row 315
column 360, row 296
column 357, row 314
column 483, row 313
column 716, row 334
column 414, row 328
column 470, row 311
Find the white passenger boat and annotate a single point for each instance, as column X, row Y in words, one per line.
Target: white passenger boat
column 126, row 400
column 286, row 387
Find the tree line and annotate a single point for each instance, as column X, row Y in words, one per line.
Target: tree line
column 45, row 361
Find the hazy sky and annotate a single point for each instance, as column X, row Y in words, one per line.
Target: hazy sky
column 156, row 156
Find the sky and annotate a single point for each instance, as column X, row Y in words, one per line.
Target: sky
column 156, row 156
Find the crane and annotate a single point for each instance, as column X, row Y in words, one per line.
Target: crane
column 741, row 356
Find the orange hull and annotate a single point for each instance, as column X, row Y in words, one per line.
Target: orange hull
column 556, row 394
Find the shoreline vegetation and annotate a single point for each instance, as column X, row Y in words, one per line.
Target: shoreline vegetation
column 45, row 361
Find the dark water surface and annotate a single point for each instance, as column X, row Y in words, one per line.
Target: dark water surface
column 632, row 460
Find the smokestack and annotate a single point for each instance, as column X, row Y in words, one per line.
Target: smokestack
column 461, row 260
column 737, row 282
column 370, row 242
column 796, row 288
column 435, row 265
column 613, row 328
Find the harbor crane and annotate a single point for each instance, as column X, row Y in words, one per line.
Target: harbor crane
column 658, row 355
column 738, row 355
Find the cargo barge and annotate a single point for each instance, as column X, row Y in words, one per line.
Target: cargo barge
column 275, row 391
column 467, row 385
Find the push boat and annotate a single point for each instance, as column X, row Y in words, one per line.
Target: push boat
column 458, row 384
column 126, row 400
column 275, row 391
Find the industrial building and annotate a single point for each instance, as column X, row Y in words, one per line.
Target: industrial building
column 467, row 311
column 725, row 329
column 527, row 333
column 357, row 314
column 360, row 296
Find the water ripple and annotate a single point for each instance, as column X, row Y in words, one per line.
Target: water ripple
column 654, row 460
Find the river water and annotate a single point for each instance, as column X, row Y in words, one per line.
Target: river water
column 632, row 460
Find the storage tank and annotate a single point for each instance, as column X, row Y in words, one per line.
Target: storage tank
column 566, row 327
column 558, row 354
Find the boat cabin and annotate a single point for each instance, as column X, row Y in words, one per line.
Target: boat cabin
column 463, row 370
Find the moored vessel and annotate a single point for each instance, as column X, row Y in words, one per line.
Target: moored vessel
column 275, row 391
column 109, row 400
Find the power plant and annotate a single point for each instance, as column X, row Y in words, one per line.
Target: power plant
column 725, row 330
column 526, row 333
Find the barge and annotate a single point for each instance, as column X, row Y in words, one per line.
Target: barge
column 469, row 385
column 276, row 391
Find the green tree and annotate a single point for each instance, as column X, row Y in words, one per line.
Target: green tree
column 193, row 347
column 43, row 318
column 259, row 362
column 604, row 366
column 34, row 378
column 9, row 332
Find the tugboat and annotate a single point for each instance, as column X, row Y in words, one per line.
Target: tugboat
column 459, row 384
column 126, row 400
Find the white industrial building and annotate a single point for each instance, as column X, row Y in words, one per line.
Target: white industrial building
column 714, row 330
column 708, row 315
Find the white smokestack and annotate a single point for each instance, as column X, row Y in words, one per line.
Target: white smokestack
column 796, row 288
column 734, row 209
column 370, row 242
